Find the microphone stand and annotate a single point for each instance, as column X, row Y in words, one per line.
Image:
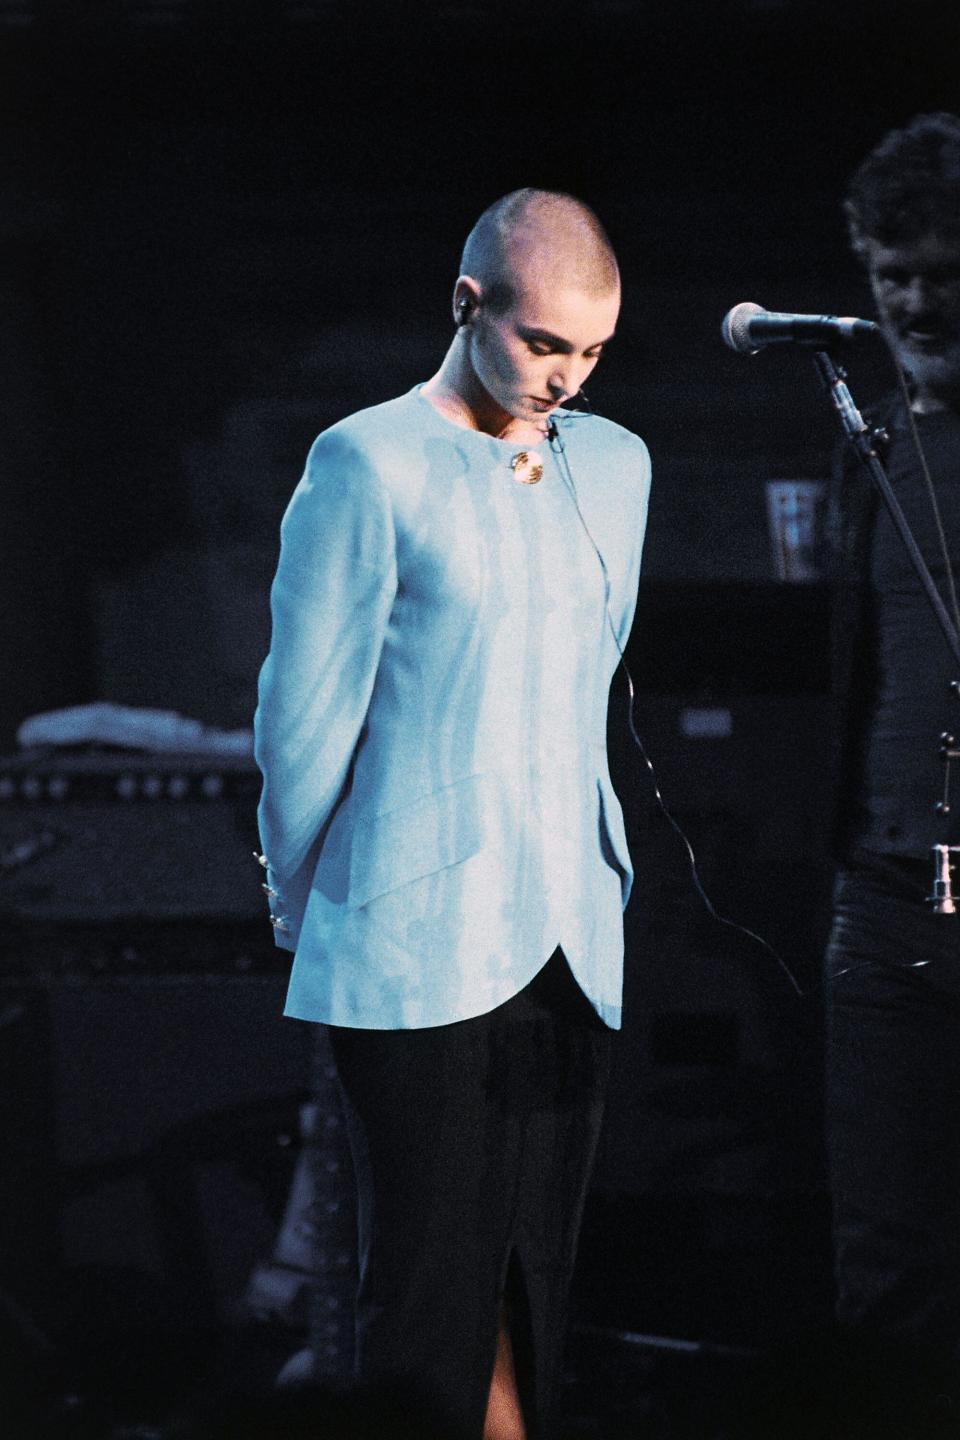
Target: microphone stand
column 864, row 441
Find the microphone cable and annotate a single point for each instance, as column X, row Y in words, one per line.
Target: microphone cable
column 566, row 475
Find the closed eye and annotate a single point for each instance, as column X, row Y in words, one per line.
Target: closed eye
column 540, row 347
column 542, row 342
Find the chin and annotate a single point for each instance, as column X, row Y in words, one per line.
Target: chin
column 937, row 373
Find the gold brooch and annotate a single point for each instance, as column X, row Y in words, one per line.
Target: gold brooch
column 527, row 467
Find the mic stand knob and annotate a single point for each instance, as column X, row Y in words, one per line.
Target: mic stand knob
column 948, row 752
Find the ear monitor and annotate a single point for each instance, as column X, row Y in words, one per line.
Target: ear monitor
column 464, row 309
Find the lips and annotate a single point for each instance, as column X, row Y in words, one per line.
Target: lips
column 922, row 342
column 925, row 333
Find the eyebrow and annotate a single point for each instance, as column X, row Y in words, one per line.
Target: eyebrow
column 533, row 332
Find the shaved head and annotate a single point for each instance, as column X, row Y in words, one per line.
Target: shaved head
column 536, row 301
column 542, row 236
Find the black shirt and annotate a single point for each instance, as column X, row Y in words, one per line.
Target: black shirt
column 911, row 705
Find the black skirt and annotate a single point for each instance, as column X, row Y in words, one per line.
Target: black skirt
column 473, row 1145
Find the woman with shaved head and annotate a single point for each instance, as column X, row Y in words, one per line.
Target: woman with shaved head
column 445, row 853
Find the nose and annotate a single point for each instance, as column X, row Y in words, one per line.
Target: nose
column 916, row 295
column 557, row 384
column 567, row 377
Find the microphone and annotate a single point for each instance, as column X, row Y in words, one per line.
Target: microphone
column 747, row 328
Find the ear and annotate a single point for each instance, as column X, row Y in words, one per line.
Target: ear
column 466, row 300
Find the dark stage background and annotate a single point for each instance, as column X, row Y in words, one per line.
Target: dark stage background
column 222, row 227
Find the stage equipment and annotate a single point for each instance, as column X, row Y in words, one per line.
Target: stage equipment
column 156, row 1106
column 114, row 836
column 747, row 328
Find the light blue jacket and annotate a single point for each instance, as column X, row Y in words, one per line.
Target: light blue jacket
column 437, row 813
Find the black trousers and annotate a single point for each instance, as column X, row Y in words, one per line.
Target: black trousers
column 893, row 1129
column 473, row 1145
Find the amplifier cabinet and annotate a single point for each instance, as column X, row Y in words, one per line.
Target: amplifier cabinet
column 92, row 837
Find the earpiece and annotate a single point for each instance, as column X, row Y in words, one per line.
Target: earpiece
column 464, row 309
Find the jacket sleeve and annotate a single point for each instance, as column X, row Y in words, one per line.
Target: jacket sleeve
column 330, row 603
column 624, row 615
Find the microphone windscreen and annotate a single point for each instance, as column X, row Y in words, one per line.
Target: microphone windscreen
column 735, row 326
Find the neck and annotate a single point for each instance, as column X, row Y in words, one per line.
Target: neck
column 457, row 393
